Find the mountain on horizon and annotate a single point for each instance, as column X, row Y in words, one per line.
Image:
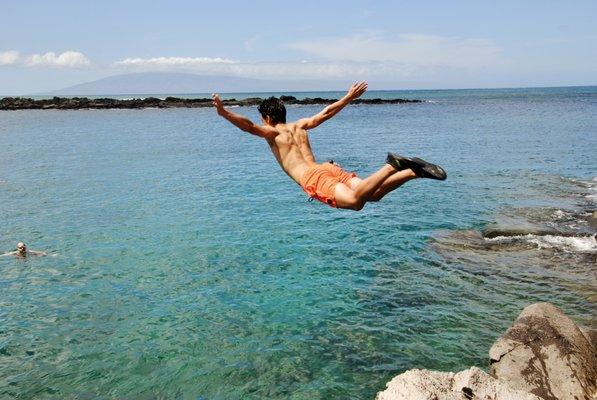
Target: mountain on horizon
column 186, row 83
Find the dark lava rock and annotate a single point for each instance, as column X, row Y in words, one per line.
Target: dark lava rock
column 75, row 103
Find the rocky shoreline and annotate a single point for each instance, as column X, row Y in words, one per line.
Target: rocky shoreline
column 542, row 356
column 77, row 103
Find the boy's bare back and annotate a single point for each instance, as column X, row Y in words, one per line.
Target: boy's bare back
column 292, row 149
column 289, row 142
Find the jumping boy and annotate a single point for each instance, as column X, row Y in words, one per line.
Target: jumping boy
column 326, row 182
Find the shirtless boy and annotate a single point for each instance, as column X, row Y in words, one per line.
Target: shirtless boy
column 326, row 182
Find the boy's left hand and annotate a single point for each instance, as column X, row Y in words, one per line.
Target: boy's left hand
column 357, row 89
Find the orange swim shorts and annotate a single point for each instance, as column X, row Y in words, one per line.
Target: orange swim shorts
column 320, row 181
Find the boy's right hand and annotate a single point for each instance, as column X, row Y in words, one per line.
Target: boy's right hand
column 217, row 102
column 357, row 89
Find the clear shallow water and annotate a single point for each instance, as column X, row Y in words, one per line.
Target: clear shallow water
column 185, row 264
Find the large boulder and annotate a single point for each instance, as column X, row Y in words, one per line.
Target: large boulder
column 591, row 335
column 469, row 384
column 546, row 354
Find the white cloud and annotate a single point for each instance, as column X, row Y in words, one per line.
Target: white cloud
column 9, row 57
column 413, row 49
column 171, row 62
column 68, row 59
column 317, row 70
column 287, row 70
column 367, row 55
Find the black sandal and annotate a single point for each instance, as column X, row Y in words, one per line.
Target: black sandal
column 419, row 166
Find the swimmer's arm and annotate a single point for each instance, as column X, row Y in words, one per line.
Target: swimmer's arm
column 241, row 121
column 37, row 253
column 12, row 253
column 356, row 90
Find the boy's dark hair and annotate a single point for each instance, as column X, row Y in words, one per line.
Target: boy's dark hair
column 273, row 108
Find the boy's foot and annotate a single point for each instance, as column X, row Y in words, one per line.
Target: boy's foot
column 419, row 166
column 428, row 170
column 398, row 162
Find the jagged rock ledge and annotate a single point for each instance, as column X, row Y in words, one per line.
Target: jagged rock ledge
column 542, row 356
column 75, row 103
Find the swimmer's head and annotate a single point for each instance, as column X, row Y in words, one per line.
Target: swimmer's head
column 272, row 111
column 21, row 247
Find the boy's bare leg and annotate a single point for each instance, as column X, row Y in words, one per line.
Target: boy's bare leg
column 356, row 198
column 392, row 183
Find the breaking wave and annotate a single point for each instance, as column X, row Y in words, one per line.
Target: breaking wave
column 582, row 244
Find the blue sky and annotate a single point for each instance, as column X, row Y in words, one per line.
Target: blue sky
column 47, row 45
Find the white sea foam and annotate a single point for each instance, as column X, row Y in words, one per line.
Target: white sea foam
column 559, row 214
column 571, row 220
column 591, row 189
column 581, row 244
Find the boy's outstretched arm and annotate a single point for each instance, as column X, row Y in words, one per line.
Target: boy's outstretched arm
column 241, row 121
column 356, row 90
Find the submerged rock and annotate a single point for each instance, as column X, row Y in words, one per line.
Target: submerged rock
column 546, row 354
column 469, row 384
column 493, row 232
column 592, row 220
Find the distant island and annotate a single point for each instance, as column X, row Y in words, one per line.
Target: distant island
column 76, row 103
column 176, row 83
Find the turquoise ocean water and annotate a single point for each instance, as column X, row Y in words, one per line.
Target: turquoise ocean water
column 184, row 264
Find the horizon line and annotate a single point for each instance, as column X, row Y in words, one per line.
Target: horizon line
column 301, row 91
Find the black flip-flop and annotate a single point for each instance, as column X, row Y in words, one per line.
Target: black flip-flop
column 420, row 167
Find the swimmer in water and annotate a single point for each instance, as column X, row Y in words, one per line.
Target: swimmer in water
column 326, row 182
column 22, row 252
